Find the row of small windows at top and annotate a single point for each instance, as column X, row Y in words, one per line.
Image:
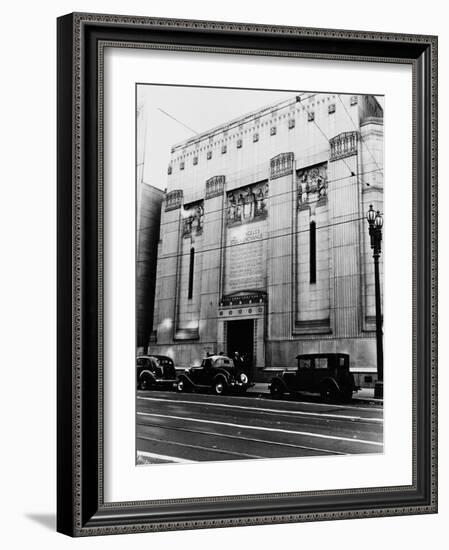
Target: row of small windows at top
column 239, row 143
column 273, row 130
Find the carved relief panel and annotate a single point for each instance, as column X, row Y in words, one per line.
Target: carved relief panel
column 344, row 145
column 312, row 185
column 193, row 215
column 173, row 200
column 247, row 204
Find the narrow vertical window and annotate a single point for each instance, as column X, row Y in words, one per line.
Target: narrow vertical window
column 191, row 267
column 312, row 252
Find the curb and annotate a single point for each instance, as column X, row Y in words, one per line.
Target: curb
column 361, row 398
column 371, row 399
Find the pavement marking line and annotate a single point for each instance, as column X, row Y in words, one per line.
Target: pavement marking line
column 198, row 447
column 277, row 411
column 265, row 429
column 252, row 439
column 307, row 403
column 165, row 457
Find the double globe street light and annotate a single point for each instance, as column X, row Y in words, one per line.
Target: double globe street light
column 375, row 223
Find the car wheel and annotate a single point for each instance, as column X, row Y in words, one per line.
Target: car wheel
column 276, row 390
column 346, row 396
column 182, row 386
column 220, row 387
column 144, row 384
column 328, row 393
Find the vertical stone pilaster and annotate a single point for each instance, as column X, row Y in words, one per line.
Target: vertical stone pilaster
column 211, row 266
column 281, row 202
column 344, row 218
column 371, row 165
column 168, row 264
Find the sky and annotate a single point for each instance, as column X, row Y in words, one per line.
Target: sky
column 197, row 108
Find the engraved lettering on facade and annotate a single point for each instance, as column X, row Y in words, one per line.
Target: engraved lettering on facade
column 245, row 260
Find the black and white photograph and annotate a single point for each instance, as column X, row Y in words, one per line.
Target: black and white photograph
column 259, row 274
column 222, row 285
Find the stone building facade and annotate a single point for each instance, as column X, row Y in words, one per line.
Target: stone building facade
column 264, row 247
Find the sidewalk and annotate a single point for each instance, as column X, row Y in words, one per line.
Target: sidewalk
column 365, row 394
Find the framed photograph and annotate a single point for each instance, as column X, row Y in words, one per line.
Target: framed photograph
column 247, row 277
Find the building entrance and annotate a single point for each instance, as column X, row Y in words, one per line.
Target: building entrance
column 240, row 338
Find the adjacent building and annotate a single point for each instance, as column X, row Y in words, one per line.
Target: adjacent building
column 149, row 201
column 263, row 246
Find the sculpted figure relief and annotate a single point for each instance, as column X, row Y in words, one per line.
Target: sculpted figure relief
column 247, row 204
column 240, row 205
column 248, row 208
column 260, row 205
column 312, row 184
column 199, row 217
column 232, row 207
column 194, row 221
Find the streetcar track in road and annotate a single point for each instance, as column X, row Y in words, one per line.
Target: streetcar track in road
column 240, row 437
column 253, row 397
column 263, row 428
column 167, row 458
column 268, row 411
column 198, row 447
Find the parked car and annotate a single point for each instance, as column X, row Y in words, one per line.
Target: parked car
column 155, row 371
column 324, row 373
column 217, row 373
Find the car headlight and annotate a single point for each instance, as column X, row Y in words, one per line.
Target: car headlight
column 243, row 378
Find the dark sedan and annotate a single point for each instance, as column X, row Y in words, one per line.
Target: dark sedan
column 155, row 372
column 324, row 373
column 216, row 373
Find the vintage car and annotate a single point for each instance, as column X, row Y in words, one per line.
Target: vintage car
column 155, row 372
column 217, row 373
column 324, row 373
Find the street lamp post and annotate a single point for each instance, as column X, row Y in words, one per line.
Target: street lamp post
column 375, row 223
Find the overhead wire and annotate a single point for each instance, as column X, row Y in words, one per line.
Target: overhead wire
column 351, row 172
column 288, row 234
column 272, row 196
column 362, row 140
column 203, row 135
column 176, row 120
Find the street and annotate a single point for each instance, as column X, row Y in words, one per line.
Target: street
column 173, row 427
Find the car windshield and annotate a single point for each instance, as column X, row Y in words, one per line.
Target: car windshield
column 225, row 362
column 218, row 363
column 322, row 362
